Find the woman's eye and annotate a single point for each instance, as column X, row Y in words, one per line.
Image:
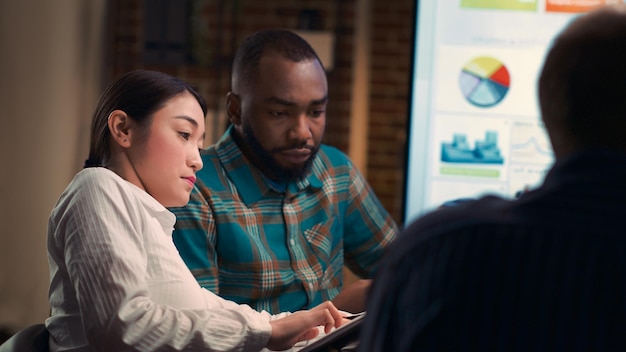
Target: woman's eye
column 185, row 135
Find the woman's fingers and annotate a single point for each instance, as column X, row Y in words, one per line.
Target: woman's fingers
column 310, row 334
column 304, row 325
column 333, row 318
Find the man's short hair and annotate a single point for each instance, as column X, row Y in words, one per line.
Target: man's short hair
column 279, row 41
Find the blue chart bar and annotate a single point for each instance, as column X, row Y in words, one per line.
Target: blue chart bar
column 484, row 152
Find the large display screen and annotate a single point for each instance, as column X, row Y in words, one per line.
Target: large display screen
column 475, row 125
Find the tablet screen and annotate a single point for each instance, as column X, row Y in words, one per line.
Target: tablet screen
column 338, row 338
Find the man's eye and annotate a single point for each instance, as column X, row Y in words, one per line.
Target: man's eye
column 316, row 113
column 278, row 113
column 185, row 135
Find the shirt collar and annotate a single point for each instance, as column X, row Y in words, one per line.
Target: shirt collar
column 166, row 218
column 250, row 182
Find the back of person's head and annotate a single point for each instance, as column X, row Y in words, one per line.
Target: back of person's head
column 282, row 42
column 139, row 94
column 582, row 87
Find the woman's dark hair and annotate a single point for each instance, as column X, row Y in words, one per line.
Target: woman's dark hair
column 139, row 94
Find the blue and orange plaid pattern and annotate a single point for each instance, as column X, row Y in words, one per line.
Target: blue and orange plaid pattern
column 277, row 249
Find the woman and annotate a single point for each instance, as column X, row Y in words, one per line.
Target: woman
column 117, row 281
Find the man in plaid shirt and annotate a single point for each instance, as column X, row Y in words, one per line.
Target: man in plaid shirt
column 275, row 214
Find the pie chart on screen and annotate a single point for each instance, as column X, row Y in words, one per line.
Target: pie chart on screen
column 484, row 81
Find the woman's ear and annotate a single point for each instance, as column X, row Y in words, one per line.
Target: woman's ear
column 233, row 108
column 120, row 128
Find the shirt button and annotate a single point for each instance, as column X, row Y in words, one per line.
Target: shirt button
column 293, row 243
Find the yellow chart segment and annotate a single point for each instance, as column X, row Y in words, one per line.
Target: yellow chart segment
column 483, row 66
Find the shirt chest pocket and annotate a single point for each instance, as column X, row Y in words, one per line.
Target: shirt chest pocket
column 324, row 239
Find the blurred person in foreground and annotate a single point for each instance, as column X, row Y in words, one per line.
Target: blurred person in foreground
column 546, row 271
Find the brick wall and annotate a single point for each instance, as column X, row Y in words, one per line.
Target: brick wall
column 216, row 28
column 392, row 36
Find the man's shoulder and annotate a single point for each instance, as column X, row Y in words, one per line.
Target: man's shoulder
column 212, row 167
column 209, row 152
column 485, row 211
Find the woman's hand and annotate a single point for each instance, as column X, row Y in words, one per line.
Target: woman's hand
column 302, row 325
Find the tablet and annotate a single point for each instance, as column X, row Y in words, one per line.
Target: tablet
column 335, row 340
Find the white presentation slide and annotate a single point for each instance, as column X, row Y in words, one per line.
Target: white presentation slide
column 475, row 124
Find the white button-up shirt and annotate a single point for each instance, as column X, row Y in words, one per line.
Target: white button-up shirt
column 118, row 282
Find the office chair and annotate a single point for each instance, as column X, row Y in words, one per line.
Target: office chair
column 33, row 338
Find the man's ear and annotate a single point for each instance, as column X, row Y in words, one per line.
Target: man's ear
column 120, row 128
column 233, row 108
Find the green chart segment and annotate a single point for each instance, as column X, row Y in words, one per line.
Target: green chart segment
column 484, row 81
column 523, row 5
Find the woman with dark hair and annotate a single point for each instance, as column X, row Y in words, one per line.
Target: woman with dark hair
column 117, row 281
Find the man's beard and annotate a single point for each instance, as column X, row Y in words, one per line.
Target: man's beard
column 267, row 163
